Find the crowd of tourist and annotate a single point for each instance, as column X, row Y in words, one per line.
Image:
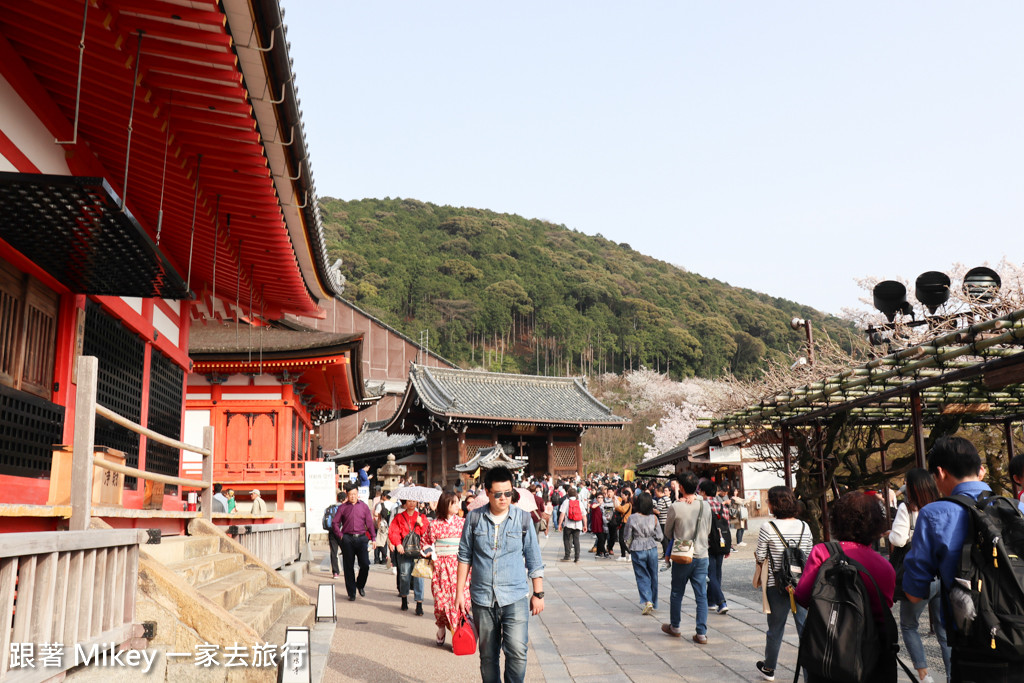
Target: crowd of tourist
column 493, row 575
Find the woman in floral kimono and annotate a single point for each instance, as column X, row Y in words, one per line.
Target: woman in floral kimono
column 444, row 534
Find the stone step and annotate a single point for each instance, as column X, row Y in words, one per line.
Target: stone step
column 203, row 570
column 234, row 589
column 296, row 615
column 263, row 609
column 173, row 549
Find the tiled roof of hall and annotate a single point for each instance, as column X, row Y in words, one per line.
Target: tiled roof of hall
column 503, row 397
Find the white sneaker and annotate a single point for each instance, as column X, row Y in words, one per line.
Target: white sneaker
column 928, row 679
column 623, row 559
column 742, row 544
column 648, row 608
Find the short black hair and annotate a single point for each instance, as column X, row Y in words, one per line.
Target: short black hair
column 497, row 474
column 350, row 487
column 709, row 488
column 644, row 504
column 217, row 488
column 688, row 480
column 1017, row 466
column 956, row 455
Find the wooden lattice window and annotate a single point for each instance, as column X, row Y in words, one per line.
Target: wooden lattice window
column 28, row 332
column 565, row 458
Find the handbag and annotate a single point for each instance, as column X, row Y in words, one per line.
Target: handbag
column 412, row 543
column 464, row 638
column 682, row 549
column 423, row 568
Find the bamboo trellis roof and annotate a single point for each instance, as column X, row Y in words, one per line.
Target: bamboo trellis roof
column 974, row 372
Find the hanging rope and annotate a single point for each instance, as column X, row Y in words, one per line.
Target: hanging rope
column 263, row 298
column 238, row 289
column 78, row 87
column 216, row 238
column 163, row 173
column 192, row 239
column 131, row 120
column 250, row 311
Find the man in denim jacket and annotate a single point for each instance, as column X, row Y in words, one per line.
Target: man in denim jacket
column 496, row 540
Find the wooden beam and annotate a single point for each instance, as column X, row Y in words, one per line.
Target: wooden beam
column 82, row 448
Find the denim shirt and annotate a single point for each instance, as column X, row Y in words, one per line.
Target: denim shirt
column 499, row 575
column 938, row 538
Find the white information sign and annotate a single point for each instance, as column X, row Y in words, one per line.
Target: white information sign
column 321, row 493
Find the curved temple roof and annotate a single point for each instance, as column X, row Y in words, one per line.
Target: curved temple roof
column 470, row 396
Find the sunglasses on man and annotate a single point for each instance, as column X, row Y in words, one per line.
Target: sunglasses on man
column 502, row 494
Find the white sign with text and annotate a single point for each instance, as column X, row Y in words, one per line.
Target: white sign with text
column 321, row 492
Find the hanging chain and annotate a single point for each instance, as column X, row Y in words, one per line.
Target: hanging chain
column 78, row 88
column 163, row 173
column 192, row 239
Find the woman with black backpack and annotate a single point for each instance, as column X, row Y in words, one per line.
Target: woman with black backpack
column 781, row 545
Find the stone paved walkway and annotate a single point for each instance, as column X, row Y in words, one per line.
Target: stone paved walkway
column 592, row 629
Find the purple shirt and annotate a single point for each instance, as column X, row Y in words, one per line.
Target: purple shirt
column 353, row 518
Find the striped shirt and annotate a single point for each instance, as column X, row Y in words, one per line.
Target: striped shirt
column 793, row 530
column 661, row 506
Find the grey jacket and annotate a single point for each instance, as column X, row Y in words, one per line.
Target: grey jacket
column 682, row 518
column 642, row 532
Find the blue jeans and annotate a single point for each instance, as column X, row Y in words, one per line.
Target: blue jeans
column 503, row 628
column 405, row 576
column 716, row 597
column 910, row 615
column 780, row 611
column 697, row 574
column 645, row 568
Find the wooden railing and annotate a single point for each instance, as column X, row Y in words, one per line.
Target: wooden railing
column 75, row 588
column 83, row 459
column 275, row 544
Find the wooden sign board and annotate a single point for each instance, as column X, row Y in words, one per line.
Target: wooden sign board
column 153, row 498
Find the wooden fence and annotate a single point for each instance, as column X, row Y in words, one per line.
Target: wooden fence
column 275, row 544
column 75, row 588
column 84, row 460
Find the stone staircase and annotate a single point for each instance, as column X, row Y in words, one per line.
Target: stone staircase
column 206, row 588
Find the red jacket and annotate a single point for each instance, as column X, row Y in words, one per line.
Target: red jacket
column 597, row 519
column 401, row 525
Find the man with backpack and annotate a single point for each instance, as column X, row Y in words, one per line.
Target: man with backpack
column 573, row 522
column 973, row 541
column 507, row 583
column 333, row 540
column 719, row 545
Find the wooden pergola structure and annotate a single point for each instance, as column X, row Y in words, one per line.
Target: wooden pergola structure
column 974, row 373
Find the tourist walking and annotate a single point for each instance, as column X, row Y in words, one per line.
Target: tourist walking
column 642, row 535
column 939, row 537
column 597, row 525
column 506, row 584
column 689, row 519
column 857, row 521
column 353, row 524
column 775, row 536
column 624, row 508
column 718, row 551
column 739, row 516
column 259, row 506
column 407, row 551
column 573, row 523
column 920, row 491
column 443, row 535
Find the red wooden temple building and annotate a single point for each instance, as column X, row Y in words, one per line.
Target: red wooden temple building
column 265, row 394
column 153, row 174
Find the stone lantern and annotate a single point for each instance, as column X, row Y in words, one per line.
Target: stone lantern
column 390, row 474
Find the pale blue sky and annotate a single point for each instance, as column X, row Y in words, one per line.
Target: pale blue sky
column 788, row 147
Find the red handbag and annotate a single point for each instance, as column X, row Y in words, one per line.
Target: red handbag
column 464, row 638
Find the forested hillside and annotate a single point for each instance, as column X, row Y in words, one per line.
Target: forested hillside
column 507, row 293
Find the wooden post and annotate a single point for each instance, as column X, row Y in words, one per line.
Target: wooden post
column 207, row 495
column 83, row 446
column 1010, row 451
column 915, row 413
column 444, row 458
column 787, row 458
column 551, row 454
column 819, row 449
